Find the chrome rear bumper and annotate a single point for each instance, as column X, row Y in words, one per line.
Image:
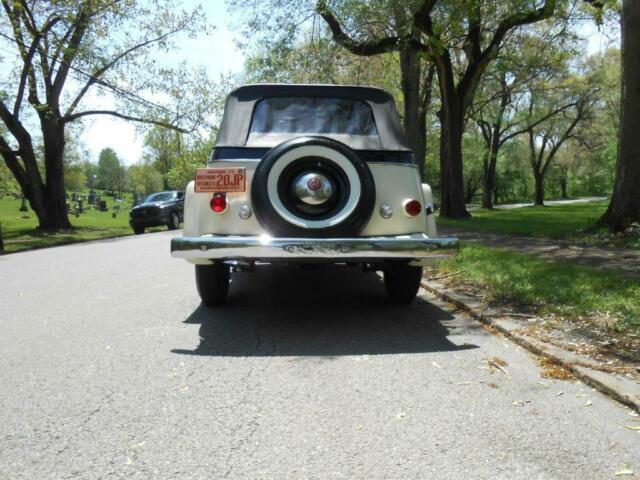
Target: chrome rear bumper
column 417, row 248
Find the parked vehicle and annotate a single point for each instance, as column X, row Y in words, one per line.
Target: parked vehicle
column 162, row 208
column 310, row 174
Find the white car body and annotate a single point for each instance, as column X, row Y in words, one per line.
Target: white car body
column 327, row 178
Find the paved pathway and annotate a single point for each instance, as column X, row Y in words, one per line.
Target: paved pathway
column 511, row 206
column 624, row 261
column 111, row 368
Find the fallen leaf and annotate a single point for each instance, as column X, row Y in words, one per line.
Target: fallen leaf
column 496, row 363
column 499, row 361
column 492, row 385
column 581, row 395
column 464, row 383
column 543, row 384
column 401, row 415
column 436, row 364
column 559, row 394
column 626, row 471
column 588, row 403
column 633, row 427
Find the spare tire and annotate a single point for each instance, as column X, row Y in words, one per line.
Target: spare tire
column 313, row 187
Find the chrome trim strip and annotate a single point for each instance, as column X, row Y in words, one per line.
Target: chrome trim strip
column 408, row 247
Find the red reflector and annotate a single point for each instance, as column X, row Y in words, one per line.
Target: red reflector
column 413, row 208
column 218, row 203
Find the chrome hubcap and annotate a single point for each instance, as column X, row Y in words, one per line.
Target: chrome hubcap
column 313, row 188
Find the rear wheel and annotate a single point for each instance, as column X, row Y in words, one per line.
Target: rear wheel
column 138, row 230
column 402, row 282
column 213, row 283
column 174, row 221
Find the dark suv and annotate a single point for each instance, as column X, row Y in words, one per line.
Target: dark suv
column 162, row 208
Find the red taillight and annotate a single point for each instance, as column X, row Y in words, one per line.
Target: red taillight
column 412, row 208
column 218, row 203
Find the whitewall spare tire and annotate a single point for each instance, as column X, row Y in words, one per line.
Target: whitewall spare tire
column 312, row 187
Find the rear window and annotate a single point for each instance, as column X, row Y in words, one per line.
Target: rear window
column 313, row 115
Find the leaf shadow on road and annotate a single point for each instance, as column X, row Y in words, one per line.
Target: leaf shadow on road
column 329, row 311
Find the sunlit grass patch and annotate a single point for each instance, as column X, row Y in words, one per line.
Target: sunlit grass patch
column 20, row 232
column 557, row 221
column 545, row 287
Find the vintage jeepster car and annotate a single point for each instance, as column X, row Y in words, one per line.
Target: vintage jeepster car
column 306, row 174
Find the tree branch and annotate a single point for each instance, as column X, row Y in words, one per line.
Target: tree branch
column 75, row 116
column 474, row 70
column 95, row 76
column 365, row 49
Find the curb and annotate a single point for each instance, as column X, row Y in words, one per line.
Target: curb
column 617, row 387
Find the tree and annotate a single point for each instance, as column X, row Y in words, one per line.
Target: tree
column 624, row 208
column 162, row 148
column 97, row 43
column 546, row 138
column 74, row 168
column 109, row 170
column 535, row 57
column 144, row 179
column 194, row 156
column 461, row 42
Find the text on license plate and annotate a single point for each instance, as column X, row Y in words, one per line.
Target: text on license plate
column 227, row 180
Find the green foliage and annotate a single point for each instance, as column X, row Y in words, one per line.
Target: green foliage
column 8, row 184
column 144, row 179
column 183, row 170
column 162, row 147
column 75, row 175
column 550, row 287
column 110, row 172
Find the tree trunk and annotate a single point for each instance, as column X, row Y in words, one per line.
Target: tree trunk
column 451, row 166
column 624, row 208
column 489, row 179
column 563, row 188
column 539, row 180
column 414, row 124
column 51, row 209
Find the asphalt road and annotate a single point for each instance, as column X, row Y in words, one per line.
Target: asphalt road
column 112, row 369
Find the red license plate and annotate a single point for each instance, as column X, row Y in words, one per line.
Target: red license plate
column 228, row 180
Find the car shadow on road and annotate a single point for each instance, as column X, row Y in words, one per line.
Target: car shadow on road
column 331, row 311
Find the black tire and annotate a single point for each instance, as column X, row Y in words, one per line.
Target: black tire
column 276, row 225
column 212, row 282
column 402, row 282
column 174, row 221
column 138, row 230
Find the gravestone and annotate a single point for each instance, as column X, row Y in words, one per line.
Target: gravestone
column 23, row 206
column 80, row 208
column 103, row 206
column 92, row 198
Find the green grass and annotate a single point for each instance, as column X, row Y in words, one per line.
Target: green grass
column 567, row 222
column 20, row 233
column 575, row 292
column 557, row 221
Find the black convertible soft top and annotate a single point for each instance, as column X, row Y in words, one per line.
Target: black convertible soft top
column 241, row 102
